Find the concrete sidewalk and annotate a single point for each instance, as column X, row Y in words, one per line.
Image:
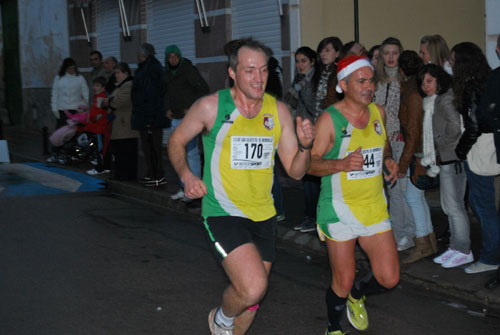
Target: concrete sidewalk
column 27, row 145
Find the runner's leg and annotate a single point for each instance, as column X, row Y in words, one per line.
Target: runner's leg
column 243, row 321
column 384, row 261
column 248, row 276
column 343, row 266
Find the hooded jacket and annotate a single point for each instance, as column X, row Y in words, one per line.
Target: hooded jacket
column 184, row 84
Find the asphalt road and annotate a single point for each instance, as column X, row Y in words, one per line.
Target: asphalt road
column 93, row 263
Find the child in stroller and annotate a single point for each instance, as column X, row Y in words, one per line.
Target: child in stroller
column 86, row 135
column 69, row 142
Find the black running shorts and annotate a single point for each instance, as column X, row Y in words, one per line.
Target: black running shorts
column 227, row 233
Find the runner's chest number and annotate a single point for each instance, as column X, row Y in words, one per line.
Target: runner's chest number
column 372, row 164
column 251, row 152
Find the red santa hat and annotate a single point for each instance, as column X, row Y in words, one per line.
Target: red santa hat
column 348, row 65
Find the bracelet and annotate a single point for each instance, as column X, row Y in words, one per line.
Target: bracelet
column 302, row 148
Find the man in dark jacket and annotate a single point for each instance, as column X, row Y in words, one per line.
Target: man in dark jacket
column 148, row 112
column 184, row 86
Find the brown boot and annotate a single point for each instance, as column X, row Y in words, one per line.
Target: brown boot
column 422, row 249
column 434, row 243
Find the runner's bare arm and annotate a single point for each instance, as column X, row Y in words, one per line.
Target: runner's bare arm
column 201, row 116
column 295, row 161
column 325, row 139
column 389, row 162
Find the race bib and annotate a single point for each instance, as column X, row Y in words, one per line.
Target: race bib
column 372, row 164
column 251, row 152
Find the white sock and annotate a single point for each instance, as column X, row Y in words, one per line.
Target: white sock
column 223, row 320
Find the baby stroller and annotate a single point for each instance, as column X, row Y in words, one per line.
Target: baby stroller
column 71, row 145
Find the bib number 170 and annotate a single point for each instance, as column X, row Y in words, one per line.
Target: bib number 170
column 253, row 150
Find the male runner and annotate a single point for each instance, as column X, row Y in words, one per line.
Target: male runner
column 348, row 153
column 242, row 129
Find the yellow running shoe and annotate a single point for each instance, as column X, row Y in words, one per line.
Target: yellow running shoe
column 356, row 313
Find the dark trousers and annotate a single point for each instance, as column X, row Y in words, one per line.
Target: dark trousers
column 277, row 193
column 312, row 187
column 103, row 156
column 151, row 146
column 124, row 152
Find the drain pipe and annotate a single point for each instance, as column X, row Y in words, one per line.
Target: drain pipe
column 356, row 21
column 280, row 7
column 122, row 19
column 204, row 13
column 202, row 24
column 85, row 26
column 125, row 20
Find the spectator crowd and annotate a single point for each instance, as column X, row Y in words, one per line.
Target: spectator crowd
column 442, row 113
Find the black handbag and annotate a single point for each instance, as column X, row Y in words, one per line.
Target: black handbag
column 419, row 177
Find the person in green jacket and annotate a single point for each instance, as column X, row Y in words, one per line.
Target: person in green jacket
column 184, row 85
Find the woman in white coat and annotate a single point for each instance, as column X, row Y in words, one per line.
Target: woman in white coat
column 68, row 91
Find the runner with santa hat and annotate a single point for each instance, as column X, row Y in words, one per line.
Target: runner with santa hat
column 350, row 153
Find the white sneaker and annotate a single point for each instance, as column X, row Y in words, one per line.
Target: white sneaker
column 405, row 243
column 178, row 195
column 480, row 267
column 52, row 159
column 458, row 258
column 444, row 256
column 94, row 172
column 215, row 329
column 93, row 162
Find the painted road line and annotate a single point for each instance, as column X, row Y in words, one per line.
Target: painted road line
column 39, row 178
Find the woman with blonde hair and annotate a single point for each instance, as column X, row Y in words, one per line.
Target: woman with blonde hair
column 388, row 95
column 434, row 50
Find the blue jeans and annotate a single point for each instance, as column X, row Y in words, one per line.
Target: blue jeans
column 192, row 153
column 452, row 181
column 482, row 201
column 402, row 221
column 420, row 210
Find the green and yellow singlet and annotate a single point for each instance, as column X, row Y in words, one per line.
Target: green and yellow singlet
column 239, row 161
column 355, row 196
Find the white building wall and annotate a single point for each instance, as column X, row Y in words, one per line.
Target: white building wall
column 43, row 40
column 492, row 9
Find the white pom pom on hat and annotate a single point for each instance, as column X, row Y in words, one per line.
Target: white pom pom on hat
column 348, row 65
